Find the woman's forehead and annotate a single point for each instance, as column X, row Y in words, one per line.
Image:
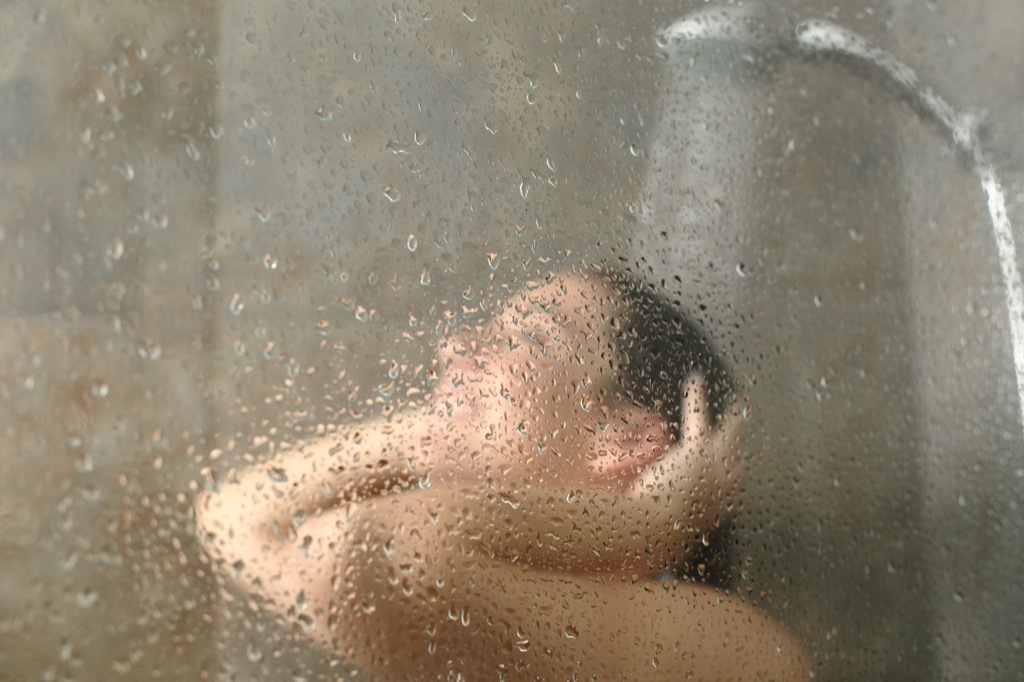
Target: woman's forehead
column 569, row 300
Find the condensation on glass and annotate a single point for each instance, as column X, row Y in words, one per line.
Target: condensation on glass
column 328, row 347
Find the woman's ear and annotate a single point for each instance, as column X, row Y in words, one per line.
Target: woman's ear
column 706, row 461
column 629, row 440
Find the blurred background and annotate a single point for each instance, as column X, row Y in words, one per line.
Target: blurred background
column 224, row 223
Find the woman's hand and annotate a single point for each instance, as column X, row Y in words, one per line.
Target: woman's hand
column 340, row 535
column 643, row 528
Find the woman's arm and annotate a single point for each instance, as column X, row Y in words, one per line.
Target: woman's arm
column 401, row 592
column 423, row 583
column 249, row 520
column 402, row 585
column 642, row 530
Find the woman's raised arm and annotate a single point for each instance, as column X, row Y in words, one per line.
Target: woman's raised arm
column 249, row 519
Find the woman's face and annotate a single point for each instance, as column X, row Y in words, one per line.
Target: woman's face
column 530, row 398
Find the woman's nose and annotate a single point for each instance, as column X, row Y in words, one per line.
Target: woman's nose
column 456, row 352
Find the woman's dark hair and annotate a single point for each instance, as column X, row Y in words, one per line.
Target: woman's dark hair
column 659, row 349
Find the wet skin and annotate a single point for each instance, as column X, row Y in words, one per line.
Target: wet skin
column 511, row 529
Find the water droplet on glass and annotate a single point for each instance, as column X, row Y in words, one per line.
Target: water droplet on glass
column 391, row 194
column 116, row 249
column 263, row 213
column 236, row 305
column 269, row 261
column 159, row 220
column 425, row 277
column 571, row 632
column 83, row 463
column 192, row 151
column 216, row 131
column 307, row 623
column 411, row 242
column 324, row 114
column 469, row 15
column 253, row 653
column 741, row 269
column 87, row 597
column 100, row 390
column 398, row 147
column 149, row 350
column 492, row 261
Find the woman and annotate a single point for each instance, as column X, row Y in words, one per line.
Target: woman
column 576, row 447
